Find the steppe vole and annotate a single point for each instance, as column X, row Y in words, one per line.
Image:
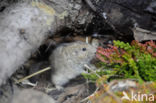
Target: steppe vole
column 68, row 60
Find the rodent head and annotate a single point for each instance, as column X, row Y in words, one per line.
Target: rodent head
column 82, row 51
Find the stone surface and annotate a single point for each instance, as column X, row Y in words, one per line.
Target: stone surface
column 31, row 96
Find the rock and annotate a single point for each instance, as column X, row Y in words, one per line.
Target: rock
column 31, row 96
column 143, row 34
column 122, row 85
column 151, row 7
column 23, row 29
column 7, row 91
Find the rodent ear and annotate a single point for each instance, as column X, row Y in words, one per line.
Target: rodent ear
column 95, row 43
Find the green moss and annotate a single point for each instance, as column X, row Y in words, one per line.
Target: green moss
column 133, row 60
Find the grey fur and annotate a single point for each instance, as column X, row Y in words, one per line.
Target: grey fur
column 68, row 61
column 22, row 30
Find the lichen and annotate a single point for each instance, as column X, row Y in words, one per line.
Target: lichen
column 49, row 11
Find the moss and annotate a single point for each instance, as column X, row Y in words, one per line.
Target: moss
column 135, row 60
column 124, row 60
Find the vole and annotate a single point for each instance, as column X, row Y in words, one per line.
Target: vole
column 68, row 60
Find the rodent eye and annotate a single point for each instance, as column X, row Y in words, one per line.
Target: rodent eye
column 84, row 49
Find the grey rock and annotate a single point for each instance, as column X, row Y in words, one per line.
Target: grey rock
column 122, row 85
column 152, row 7
column 22, row 30
column 7, row 91
column 31, row 96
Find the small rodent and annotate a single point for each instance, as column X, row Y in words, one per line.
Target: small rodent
column 68, row 60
